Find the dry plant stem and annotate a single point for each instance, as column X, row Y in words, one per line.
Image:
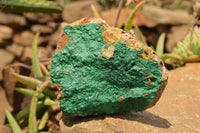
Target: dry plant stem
column 44, row 69
column 32, row 114
column 118, row 12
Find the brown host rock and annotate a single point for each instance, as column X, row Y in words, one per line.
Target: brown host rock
column 104, row 70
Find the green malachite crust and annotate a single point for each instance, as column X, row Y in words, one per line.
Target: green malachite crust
column 94, row 85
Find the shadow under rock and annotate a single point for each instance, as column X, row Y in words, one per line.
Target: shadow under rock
column 144, row 117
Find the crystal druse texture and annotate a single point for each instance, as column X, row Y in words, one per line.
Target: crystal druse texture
column 104, row 70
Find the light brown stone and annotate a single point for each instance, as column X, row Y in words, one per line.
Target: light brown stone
column 177, row 110
column 41, row 29
column 12, row 19
column 54, row 39
column 5, row 34
column 15, row 49
column 26, row 38
column 5, row 58
column 41, row 52
column 79, row 9
column 5, row 129
column 166, row 16
column 52, row 25
column 42, row 17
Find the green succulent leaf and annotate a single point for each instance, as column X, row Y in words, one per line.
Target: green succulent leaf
column 28, row 92
column 23, row 114
column 140, row 36
column 49, row 102
column 14, row 125
column 28, row 81
column 95, row 12
column 35, row 61
column 160, row 45
column 43, row 121
column 187, row 50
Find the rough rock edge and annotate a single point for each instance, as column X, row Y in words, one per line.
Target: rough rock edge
column 130, row 39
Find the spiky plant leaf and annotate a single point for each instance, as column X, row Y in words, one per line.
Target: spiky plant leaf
column 23, row 114
column 28, row 92
column 35, row 61
column 28, row 81
column 160, row 45
column 43, row 121
column 140, row 36
column 132, row 15
column 32, row 121
column 49, row 102
column 95, row 12
column 14, row 125
column 187, row 50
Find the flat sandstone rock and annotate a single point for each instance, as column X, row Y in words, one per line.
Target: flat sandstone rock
column 104, row 70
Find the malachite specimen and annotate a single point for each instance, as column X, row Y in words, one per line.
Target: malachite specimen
column 101, row 72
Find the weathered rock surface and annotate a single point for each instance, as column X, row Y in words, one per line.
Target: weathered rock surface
column 177, row 110
column 5, row 34
column 79, row 9
column 42, row 17
column 104, row 70
column 12, row 19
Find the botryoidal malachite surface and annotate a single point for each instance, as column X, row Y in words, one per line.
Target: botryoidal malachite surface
column 94, row 85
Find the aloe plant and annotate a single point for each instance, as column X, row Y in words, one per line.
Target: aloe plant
column 43, row 99
column 160, row 45
column 187, row 50
column 20, row 6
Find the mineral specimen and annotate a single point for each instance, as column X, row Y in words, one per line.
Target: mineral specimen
column 104, row 70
